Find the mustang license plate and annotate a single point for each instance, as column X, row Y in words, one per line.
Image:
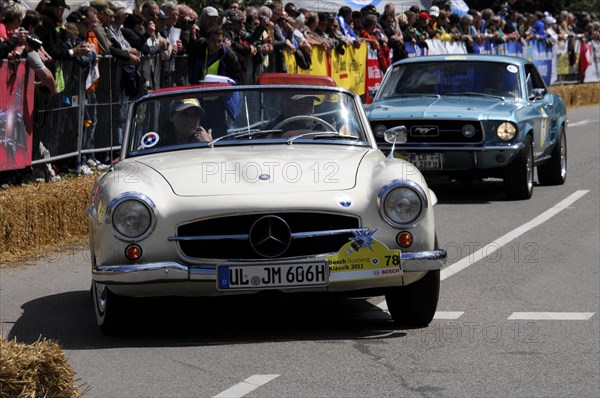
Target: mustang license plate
column 271, row 276
column 426, row 161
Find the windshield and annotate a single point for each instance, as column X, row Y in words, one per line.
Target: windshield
column 452, row 78
column 245, row 116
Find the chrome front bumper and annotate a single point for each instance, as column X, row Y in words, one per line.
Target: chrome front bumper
column 173, row 271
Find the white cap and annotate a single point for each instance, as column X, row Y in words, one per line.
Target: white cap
column 434, row 11
column 121, row 7
column 210, row 11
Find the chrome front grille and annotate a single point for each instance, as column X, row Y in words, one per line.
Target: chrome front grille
column 433, row 131
column 265, row 235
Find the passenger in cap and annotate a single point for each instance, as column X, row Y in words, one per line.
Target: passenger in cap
column 184, row 124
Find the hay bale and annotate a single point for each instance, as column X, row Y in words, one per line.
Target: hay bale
column 40, row 217
column 34, row 370
column 576, row 95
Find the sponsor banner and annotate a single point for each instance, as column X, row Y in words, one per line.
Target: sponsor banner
column 540, row 53
column 333, row 6
column 16, row 111
column 592, row 54
column 414, row 51
column 436, row 47
column 348, row 70
column 374, row 74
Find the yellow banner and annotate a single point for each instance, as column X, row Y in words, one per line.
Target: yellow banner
column 347, row 70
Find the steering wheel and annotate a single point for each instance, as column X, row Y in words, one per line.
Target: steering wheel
column 309, row 118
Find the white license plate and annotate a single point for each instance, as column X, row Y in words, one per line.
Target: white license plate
column 426, row 161
column 271, row 276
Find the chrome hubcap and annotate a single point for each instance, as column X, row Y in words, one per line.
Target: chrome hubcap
column 100, row 297
column 563, row 156
column 530, row 168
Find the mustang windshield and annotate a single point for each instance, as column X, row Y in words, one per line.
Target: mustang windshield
column 243, row 116
column 492, row 79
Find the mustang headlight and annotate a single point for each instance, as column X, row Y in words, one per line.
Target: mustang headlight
column 402, row 203
column 379, row 130
column 506, row 131
column 132, row 216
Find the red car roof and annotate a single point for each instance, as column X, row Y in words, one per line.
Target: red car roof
column 290, row 78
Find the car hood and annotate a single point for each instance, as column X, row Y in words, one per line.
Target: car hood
column 243, row 170
column 426, row 107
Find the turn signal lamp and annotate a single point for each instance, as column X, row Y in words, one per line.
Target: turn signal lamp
column 133, row 252
column 404, row 239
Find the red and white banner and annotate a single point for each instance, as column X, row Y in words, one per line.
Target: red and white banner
column 16, row 115
column 374, row 75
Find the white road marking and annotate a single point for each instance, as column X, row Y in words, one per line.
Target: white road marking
column 438, row 314
column 582, row 122
column 246, row 386
column 512, row 235
column 551, row 316
column 448, row 314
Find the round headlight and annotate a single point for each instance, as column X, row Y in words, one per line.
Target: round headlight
column 401, row 205
column 379, row 130
column 132, row 218
column 468, row 130
column 506, row 131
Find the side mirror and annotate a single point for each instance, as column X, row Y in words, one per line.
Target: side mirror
column 372, row 93
column 537, row 94
column 393, row 135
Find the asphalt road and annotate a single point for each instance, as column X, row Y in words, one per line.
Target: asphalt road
column 513, row 267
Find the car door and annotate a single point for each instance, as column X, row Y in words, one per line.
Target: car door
column 540, row 108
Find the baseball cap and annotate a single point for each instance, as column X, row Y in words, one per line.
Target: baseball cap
column 424, row 15
column 434, row 11
column 210, row 11
column 57, row 3
column 181, row 105
column 370, row 9
column 121, row 7
column 234, row 15
column 100, row 5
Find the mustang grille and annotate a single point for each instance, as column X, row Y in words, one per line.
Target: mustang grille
column 436, row 131
column 248, row 237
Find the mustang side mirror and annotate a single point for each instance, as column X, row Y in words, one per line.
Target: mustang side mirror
column 537, row 94
column 372, row 92
column 393, row 135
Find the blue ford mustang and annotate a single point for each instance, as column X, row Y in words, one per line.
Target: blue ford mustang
column 472, row 117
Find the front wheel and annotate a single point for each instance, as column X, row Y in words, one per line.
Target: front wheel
column 414, row 305
column 554, row 171
column 110, row 309
column 518, row 176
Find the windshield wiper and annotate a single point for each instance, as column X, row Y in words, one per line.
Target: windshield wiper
column 474, row 94
column 327, row 135
column 243, row 134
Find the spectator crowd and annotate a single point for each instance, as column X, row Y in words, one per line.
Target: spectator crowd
column 240, row 42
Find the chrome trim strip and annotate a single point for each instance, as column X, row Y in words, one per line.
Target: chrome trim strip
column 423, row 261
column 142, row 273
column 314, row 234
column 297, row 235
column 209, row 237
column 175, row 272
column 433, row 148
